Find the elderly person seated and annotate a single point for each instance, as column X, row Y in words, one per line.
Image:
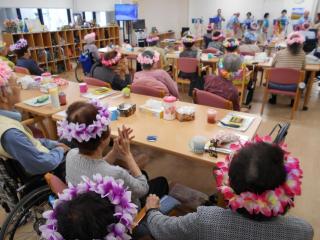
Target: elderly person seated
column 250, row 44
column 90, row 46
column 148, row 59
column 217, row 41
column 221, row 85
column 259, row 183
column 231, row 45
column 16, row 141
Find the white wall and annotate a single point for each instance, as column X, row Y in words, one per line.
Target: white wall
column 165, row 14
column 96, row 5
column 208, row 8
column 36, row 3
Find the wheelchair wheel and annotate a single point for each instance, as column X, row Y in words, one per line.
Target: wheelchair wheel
column 26, row 218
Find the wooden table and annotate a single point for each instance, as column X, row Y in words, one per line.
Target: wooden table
column 72, row 92
column 173, row 136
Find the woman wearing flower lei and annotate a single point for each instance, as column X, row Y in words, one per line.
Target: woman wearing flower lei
column 113, row 69
column 87, row 126
column 94, row 209
column 151, row 76
column 9, row 92
column 21, row 49
column 259, row 183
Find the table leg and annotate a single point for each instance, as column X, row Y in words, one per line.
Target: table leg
column 308, row 91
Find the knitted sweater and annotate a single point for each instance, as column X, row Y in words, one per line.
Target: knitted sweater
column 217, row 223
column 78, row 165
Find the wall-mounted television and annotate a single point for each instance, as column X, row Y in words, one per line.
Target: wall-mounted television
column 126, row 12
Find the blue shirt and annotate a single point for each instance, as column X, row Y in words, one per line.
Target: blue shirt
column 265, row 23
column 233, row 20
column 17, row 144
column 31, row 65
column 302, row 20
column 11, row 114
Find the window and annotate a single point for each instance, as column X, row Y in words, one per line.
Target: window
column 30, row 13
column 101, row 18
column 55, row 18
column 88, row 16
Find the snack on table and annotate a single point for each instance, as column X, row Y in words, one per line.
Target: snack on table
column 126, row 109
column 223, row 138
column 236, row 121
column 60, row 81
column 185, row 113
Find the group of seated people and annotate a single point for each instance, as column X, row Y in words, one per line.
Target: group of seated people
column 112, row 67
column 256, row 203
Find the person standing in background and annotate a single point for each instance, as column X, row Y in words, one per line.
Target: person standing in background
column 220, row 18
column 283, row 22
column 247, row 22
column 265, row 26
column 233, row 25
column 304, row 19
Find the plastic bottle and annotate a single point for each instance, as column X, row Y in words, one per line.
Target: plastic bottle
column 54, row 97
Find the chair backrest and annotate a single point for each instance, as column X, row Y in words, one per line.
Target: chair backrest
column 148, row 91
column 188, row 65
column 21, row 70
column 247, row 54
column 283, row 76
column 96, row 82
column 56, row 184
column 210, row 50
column 210, row 99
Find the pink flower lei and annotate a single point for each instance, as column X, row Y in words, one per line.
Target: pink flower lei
column 295, row 37
column 152, row 39
column 107, row 187
column 269, row 203
column 5, row 73
column 82, row 132
column 21, row 43
column 147, row 60
column 113, row 61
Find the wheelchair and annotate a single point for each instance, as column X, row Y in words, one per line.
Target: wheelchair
column 24, row 198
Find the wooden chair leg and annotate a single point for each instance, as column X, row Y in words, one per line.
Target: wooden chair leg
column 265, row 99
column 295, row 105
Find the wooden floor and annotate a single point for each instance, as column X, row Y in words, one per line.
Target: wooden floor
column 303, row 141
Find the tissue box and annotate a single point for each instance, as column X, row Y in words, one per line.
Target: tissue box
column 158, row 113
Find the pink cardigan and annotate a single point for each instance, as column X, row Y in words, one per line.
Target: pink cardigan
column 159, row 75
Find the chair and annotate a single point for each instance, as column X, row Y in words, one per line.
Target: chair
column 21, row 70
column 148, row 91
column 38, row 133
column 211, row 99
column 283, row 76
column 247, row 54
column 210, row 50
column 96, row 82
column 186, row 65
column 243, row 87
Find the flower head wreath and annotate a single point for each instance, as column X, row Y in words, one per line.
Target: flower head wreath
column 295, row 37
column 269, row 203
column 80, row 131
column 152, row 39
column 112, row 61
column 107, row 187
column 218, row 37
column 147, row 59
column 231, row 42
column 21, row 43
column 5, row 73
column 188, row 39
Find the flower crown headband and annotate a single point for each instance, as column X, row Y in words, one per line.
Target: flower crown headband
column 82, row 132
column 269, row 203
column 21, row 43
column 188, row 39
column 147, row 59
column 152, row 39
column 231, row 42
column 5, row 73
column 295, row 37
column 112, row 61
column 220, row 36
column 107, row 187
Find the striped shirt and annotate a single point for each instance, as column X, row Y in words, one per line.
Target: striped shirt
column 285, row 59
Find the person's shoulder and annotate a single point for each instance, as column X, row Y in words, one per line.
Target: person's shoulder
column 72, row 154
column 299, row 224
column 213, row 214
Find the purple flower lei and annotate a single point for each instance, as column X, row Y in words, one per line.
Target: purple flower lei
column 107, row 187
column 21, row 43
column 82, row 132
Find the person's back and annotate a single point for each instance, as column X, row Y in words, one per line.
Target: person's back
column 189, row 53
column 249, row 48
column 285, row 59
column 150, row 82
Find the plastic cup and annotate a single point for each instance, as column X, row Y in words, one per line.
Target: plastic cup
column 212, row 116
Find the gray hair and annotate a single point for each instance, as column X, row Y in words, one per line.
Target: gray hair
column 232, row 62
